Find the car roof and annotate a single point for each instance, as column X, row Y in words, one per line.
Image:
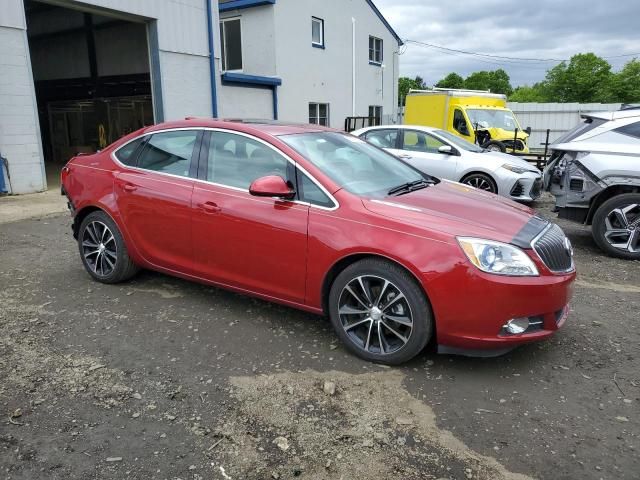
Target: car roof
column 252, row 126
column 402, row 127
column 616, row 115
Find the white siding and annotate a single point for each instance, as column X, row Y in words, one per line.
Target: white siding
column 245, row 102
column 558, row 117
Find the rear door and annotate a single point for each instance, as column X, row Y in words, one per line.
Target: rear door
column 251, row 243
column 154, row 197
column 420, row 149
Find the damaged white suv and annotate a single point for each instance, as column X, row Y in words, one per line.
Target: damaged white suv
column 594, row 174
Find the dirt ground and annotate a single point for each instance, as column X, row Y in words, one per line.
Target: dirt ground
column 160, row 378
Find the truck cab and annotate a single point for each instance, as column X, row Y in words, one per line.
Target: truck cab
column 477, row 116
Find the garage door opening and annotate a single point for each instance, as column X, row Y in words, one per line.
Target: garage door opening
column 92, row 80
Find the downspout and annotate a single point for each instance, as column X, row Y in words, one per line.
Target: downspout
column 212, row 60
column 353, row 76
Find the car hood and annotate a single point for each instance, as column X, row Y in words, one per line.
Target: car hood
column 495, row 160
column 457, row 210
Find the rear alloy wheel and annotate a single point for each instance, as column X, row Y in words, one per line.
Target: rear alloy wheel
column 616, row 226
column 481, row 181
column 102, row 249
column 379, row 312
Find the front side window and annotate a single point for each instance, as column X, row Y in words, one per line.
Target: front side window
column 231, row 39
column 352, row 163
column 128, row 154
column 420, row 142
column 319, row 114
column 236, row 160
column 311, row 193
column 375, row 50
column 317, row 32
column 382, row 138
column 460, row 123
column 375, row 114
column 169, row 152
column 459, row 142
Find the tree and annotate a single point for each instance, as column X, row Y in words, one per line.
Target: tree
column 586, row 78
column 525, row 93
column 453, row 80
column 405, row 84
column 625, row 85
column 496, row 81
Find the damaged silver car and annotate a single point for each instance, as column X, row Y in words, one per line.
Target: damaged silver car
column 594, row 174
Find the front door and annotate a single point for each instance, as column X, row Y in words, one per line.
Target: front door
column 256, row 244
column 154, row 198
column 421, row 150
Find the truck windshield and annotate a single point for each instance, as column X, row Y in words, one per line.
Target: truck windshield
column 354, row 164
column 491, row 118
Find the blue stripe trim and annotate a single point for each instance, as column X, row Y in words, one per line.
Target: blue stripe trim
column 384, row 20
column 212, row 61
column 251, row 79
column 238, row 4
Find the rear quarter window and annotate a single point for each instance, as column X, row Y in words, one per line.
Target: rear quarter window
column 128, row 155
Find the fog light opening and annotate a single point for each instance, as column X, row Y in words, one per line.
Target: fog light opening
column 516, row 326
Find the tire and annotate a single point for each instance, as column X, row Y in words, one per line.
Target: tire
column 495, row 146
column 403, row 333
column 481, row 181
column 103, row 251
column 609, row 230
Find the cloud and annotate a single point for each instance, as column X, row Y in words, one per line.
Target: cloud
column 544, row 29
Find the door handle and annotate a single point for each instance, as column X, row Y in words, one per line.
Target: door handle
column 128, row 187
column 210, row 207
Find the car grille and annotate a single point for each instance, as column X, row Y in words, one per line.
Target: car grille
column 517, row 190
column 554, row 249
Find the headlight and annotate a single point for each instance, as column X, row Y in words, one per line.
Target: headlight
column 498, row 258
column 515, row 168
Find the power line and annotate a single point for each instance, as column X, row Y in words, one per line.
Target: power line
column 508, row 59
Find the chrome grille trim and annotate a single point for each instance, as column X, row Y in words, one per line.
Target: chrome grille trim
column 550, row 247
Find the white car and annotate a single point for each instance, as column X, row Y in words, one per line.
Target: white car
column 443, row 155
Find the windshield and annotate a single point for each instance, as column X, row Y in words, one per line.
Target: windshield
column 458, row 142
column 492, row 118
column 580, row 129
column 353, row 164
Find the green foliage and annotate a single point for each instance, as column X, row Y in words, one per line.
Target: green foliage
column 453, row 80
column 405, row 84
column 586, row 78
column 496, row 81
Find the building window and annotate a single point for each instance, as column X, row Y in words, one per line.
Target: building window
column 231, row 39
column 319, row 114
column 317, row 32
column 375, row 115
column 375, row 50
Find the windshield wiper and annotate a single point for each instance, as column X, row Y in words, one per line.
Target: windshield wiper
column 409, row 187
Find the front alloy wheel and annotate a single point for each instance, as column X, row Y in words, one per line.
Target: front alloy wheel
column 616, row 226
column 375, row 314
column 481, row 181
column 380, row 312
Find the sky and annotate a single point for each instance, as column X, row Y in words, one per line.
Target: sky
column 540, row 29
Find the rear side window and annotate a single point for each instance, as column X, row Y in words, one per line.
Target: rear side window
column 169, row 152
column 129, row 153
column 382, row 138
column 633, row 130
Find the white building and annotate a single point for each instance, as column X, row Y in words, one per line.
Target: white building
column 77, row 75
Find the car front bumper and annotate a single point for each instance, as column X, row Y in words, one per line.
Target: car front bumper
column 471, row 309
column 526, row 187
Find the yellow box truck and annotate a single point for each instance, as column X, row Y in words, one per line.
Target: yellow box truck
column 477, row 116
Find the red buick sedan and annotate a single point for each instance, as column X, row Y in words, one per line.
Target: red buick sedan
column 322, row 221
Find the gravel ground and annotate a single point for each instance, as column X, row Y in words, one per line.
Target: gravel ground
column 161, row 378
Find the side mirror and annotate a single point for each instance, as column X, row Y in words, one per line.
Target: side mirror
column 271, row 186
column 446, row 150
column 528, row 130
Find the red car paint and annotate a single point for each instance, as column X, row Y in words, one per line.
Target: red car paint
column 284, row 251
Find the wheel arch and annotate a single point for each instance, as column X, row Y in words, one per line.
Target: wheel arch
column 352, row 258
column 607, row 194
column 475, row 171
